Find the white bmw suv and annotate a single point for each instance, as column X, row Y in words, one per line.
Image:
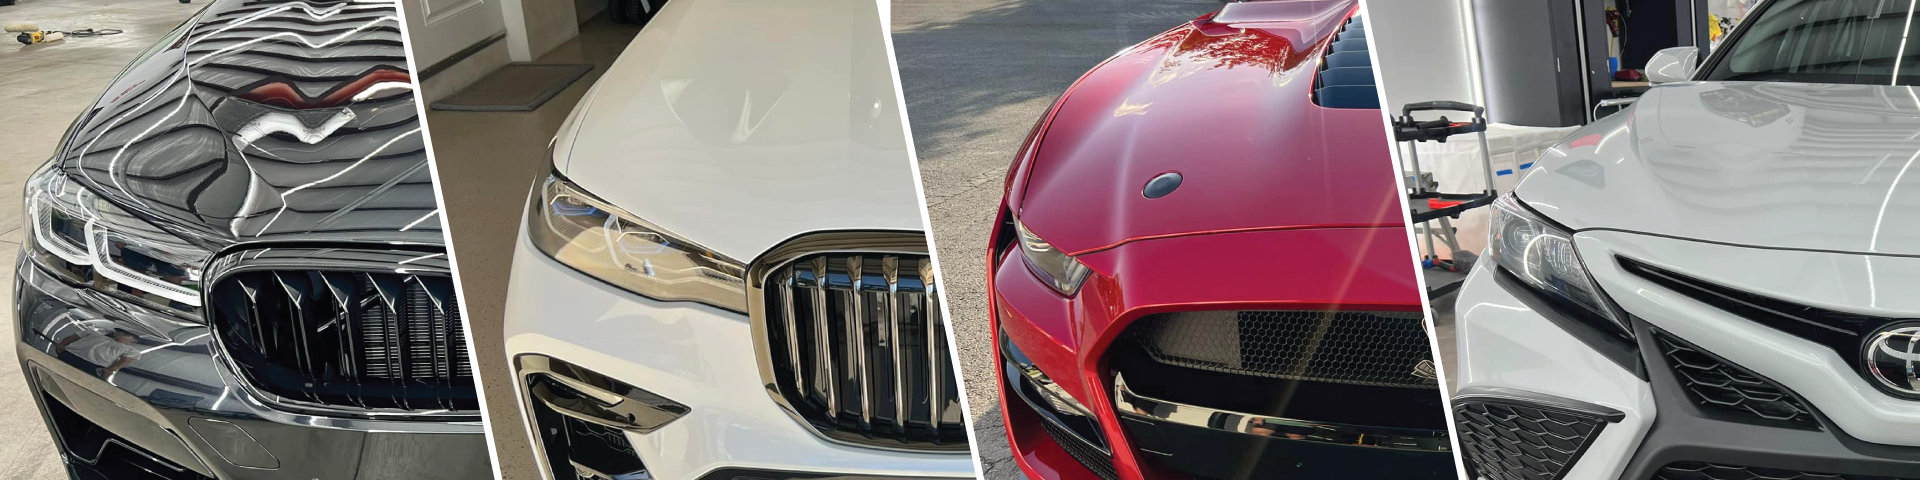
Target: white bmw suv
column 1718, row 282
column 727, row 275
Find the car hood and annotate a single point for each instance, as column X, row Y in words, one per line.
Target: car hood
column 1777, row 165
column 740, row 126
column 1229, row 107
column 266, row 121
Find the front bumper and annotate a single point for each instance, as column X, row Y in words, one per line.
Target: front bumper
column 1067, row 340
column 693, row 355
column 177, row 410
column 1511, row 340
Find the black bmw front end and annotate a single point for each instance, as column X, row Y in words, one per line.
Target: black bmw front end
column 234, row 265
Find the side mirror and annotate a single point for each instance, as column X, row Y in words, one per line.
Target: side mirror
column 1674, row 64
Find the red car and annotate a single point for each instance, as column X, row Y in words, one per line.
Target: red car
column 1201, row 267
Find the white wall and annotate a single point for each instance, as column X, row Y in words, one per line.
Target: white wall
column 1420, row 48
column 437, row 29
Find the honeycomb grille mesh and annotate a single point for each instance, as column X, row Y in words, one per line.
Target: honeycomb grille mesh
column 1361, row 348
column 1515, row 442
column 1710, row 471
column 1100, row 464
column 1719, row 384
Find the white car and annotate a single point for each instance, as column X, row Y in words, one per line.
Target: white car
column 680, row 305
column 1718, row 282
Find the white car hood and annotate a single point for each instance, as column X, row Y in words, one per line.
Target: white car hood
column 740, row 124
column 1779, row 165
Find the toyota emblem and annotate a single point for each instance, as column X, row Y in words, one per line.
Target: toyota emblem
column 1891, row 357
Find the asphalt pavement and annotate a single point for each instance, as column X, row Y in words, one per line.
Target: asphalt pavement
column 977, row 74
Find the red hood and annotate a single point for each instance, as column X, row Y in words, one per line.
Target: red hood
column 1229, row 107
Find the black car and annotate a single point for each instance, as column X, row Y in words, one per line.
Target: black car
column 235, row 266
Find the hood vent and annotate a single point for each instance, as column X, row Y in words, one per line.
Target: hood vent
column 1345, row 79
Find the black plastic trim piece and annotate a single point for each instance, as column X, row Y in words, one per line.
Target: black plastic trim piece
column 1845, row 333
column 1684, row 432
column 1514, row 396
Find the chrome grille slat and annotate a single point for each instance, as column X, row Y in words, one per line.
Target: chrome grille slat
column 785, row 290
column 935, row 403
column 890, row 267
column 824, row 355
column 869, row 313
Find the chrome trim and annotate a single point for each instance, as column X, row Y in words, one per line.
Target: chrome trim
column 819, row 311
column 760, row 271
column 367, row 258
column 1409, row 439
column 607, row 402
column 935, row 408
column 1503, row 395
column 857, row 280
column 588, row 473
column 890, row 266
column 1057, row 401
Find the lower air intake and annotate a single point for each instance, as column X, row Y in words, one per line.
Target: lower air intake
column 1509, row 441
column 1087, row 455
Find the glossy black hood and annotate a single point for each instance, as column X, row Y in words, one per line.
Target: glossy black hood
column 266, row 120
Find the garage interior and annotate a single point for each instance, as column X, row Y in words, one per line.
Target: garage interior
column 486, row 160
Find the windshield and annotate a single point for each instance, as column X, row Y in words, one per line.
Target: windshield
column 1825, row 41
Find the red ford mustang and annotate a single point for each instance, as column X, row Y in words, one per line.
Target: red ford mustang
column 1201, row 268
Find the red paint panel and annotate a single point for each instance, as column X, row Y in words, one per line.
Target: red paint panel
column 1229, row 107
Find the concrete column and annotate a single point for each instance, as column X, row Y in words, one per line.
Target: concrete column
column 535, row 27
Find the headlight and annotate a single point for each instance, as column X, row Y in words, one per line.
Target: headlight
column 1542, row 255
column 1058, row 269
column 81, row 236
column 608, row 243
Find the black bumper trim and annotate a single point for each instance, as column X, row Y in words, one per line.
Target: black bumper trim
column 1685, row 432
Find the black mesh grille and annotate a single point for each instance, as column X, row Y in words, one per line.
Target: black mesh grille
column 578, row 449
column 864, row 357
column 1502, row 441
column 1099, row 463
column 1710, row 471
column 1716, row 383
column 1360, row 348
column 347, row 339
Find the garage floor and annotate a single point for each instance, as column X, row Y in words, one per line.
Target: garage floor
column 487, row 161
column 42, row 89
column 977, row 74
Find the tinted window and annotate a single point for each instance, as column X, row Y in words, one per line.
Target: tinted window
column 1825, row 41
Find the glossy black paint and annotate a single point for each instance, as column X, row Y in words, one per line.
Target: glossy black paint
column 257, row 126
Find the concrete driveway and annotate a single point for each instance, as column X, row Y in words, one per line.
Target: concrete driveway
column 977, row 74
column 45, row 87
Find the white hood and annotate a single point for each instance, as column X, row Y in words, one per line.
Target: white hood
column 1779, row 165
column 739, row 124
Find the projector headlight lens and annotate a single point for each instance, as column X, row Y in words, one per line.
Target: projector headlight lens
column 82, row 236
column 606, row 242
column 1543, row 256
column 1058, row 269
